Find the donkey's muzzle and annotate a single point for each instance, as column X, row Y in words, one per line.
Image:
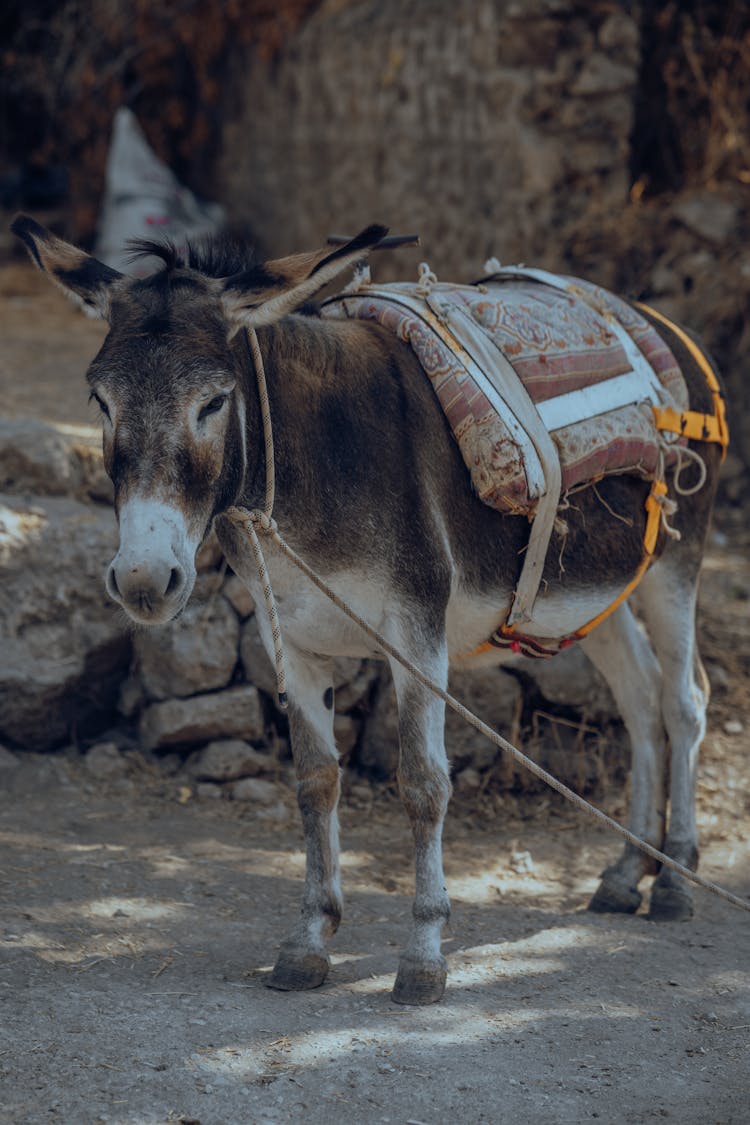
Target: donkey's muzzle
column 147, row 593
column 152, row 574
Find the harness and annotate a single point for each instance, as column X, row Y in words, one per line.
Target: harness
column 510, row 366
column 685, row 424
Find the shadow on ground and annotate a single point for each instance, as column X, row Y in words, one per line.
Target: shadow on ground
column 137, row 935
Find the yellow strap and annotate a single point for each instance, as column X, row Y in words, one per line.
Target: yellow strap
column 690, row 423
column 650, row 536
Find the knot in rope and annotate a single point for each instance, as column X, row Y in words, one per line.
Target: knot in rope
column 262, row 521
column 426, row 279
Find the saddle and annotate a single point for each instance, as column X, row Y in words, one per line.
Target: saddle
column 549, row 384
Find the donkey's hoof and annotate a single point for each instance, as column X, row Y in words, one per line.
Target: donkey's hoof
column 419, row 984
column 295, row 972
column 612, row 897
column 670, row 903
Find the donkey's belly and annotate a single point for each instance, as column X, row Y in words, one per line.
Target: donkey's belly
column 471, row 619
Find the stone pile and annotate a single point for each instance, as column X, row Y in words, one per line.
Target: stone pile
column 198, row 693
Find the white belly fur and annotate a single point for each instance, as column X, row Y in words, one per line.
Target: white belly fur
column 313, row 624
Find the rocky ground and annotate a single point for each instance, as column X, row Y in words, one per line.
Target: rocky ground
column 142, row 908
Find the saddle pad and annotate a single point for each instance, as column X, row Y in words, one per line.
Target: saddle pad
column 566, row 343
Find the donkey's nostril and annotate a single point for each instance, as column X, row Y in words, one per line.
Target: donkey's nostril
column 112, row 588
column 176, row 581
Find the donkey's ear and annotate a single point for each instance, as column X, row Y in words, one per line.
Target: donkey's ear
column 265, row 294
column 82, row 278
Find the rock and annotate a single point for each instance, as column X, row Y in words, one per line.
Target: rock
column 38, row 458
column 209, row 554
column 35, row 457
column 346, row 732
column 601, row 75
column 238, row 596
column 276, row 814
column 104, row 761
column 495, row 697
column 521, row 863
column 467, row 782
column 708, row 216
column 196, row 653
column 733, row 726
column 233, row 713
column 169, row 764
column 64, row 646
column 208, row 789
column 229, row 759
column 255, row 789
column 570, row 678
column 353, row 681
column 257, row 667
column 665, row 279
column 491, row 693
column 718, row 677
column 8, row 761
column 362, row 792
column 378, row 750
column 131, row 697
column 95, row 484
column 619, row 35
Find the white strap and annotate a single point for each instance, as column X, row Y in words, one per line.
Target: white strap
column 403, row 294
column 645, row 375
column 497, row 372
column 497, row 379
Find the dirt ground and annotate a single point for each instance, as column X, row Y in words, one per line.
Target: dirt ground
column 138, row 924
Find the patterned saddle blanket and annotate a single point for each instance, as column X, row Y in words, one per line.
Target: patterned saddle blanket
column 590, row 363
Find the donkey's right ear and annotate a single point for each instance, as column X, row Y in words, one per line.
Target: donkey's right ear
column 82, row 278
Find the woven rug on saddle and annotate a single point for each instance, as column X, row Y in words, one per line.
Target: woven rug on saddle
column 549, row 384
column 589, row 362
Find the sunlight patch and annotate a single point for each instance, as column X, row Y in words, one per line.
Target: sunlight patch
column 501, row 878
column 17, row 529
column 134, row 909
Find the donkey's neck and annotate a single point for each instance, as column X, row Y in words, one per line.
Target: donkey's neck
column 328, row 391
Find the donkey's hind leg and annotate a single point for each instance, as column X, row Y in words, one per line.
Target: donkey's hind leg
column 303, row 961
column 425, row 790
column 668, row 598
column 621, row 651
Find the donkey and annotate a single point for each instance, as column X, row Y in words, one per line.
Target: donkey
column 371, row 490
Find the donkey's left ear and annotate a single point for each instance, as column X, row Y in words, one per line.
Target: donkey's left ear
column 81, row 277
column 268, row 292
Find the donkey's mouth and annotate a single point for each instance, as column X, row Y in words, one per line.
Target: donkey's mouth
column 150, row 599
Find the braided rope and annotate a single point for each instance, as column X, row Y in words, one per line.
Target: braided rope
column 252, row 522
column 264, row 520
column 265, row 413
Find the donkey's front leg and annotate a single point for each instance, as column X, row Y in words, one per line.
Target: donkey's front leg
column 425, row 790
column 303, row 961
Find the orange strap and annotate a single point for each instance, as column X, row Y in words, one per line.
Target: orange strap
column 690, row 423
column 650, row 535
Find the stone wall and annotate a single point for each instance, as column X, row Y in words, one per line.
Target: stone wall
column 483, row 126
column 492, row 127
column 198, row 694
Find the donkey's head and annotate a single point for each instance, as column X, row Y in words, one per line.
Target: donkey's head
column 171, row 381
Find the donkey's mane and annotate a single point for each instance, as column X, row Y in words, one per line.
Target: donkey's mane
column 213, row 255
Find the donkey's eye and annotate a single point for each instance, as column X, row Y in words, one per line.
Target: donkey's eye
column 212, row 407
column 100, row 402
